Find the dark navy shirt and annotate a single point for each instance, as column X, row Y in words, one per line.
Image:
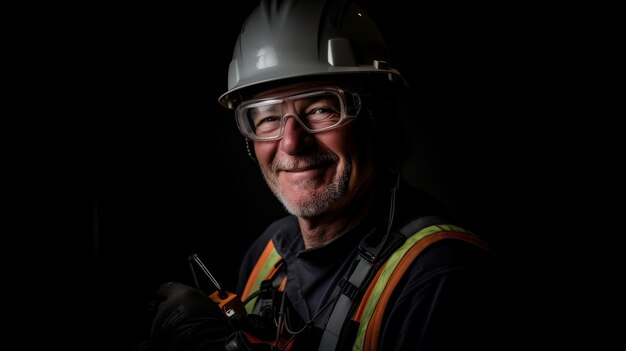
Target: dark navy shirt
column 446, row 299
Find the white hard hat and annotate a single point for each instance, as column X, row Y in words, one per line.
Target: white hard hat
column 302, row 38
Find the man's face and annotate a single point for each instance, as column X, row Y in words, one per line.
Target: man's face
column 313, row 173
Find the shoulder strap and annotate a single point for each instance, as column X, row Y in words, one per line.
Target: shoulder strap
column 372, row 308
column 351, row 289
column 264, row 268
column 420, row 223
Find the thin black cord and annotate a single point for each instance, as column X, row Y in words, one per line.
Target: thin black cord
column 392, row 210
column 281, row 311
column 306, row 325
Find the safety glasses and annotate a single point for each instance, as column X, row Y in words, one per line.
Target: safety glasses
column 316, row 111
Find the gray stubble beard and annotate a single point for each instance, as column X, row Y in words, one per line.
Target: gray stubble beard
column 321, row 201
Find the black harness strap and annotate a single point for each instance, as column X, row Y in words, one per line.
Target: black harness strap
column 366, row 264
column 420, row 223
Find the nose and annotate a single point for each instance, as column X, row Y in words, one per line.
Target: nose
column 295, row 138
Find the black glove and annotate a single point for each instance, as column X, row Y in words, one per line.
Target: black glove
column 188, row 320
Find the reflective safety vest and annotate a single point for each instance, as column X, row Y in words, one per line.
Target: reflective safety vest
column 371, row 308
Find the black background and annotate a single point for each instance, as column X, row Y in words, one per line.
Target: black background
column 159, row 171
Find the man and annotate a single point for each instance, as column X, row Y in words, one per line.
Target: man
column 363, row 260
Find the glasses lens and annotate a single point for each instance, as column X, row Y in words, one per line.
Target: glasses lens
column 315, row 111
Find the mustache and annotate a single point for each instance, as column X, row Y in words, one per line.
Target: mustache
column 286, row 164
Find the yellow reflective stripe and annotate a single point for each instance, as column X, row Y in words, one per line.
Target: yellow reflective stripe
column 387, row 270
column 266, row 269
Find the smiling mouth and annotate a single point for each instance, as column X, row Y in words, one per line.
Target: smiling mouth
column 303, row 164
column 302, row 169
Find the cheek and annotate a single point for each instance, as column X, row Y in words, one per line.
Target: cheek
column 265, row 151
column 355, row 148
column 341, row 140
column 345, row 145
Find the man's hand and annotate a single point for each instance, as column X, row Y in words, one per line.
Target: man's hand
column 188, row 320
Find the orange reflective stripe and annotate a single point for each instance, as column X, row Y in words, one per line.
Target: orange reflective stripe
column 258, row 267
column 373, row 329
column 281, row 287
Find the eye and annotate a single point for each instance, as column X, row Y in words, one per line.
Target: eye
column 262, row 116
column 260, row 121
column 321, row 113
column 321, row 107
